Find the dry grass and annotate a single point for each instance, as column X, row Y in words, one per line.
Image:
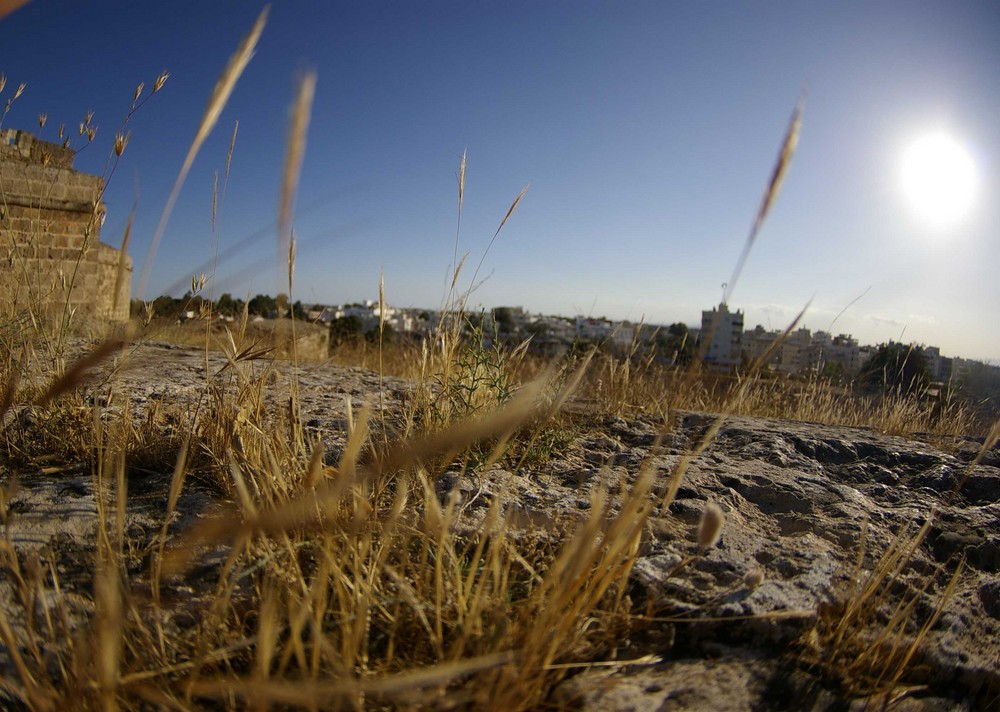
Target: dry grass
column 359, row 584
column 860, row 645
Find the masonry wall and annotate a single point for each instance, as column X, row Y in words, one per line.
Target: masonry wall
column 50, row 248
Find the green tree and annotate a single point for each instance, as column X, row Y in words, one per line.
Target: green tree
column 504, row 319
column 227, row 305
column 834, row 371
column 262, row 305
column 388, row 334
column 345, row 329
column 167, row 307
column 676, row 342
column 895, row 367
column 299, row 311
column 537, row 329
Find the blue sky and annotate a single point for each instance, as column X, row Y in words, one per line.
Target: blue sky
column 647, row 132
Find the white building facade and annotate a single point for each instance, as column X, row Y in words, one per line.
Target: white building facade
column 724, row 331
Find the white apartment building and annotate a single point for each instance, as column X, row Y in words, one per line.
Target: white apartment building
column 842, row 349
column 590, row 329
column 724, row 329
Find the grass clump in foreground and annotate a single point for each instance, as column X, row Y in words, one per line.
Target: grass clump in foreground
column 355, row 584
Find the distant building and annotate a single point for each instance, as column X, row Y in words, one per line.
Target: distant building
column 842, row 350
column 724, row 329
column 624, row 334
column 590, row 329
column 757, row 341
column 932, row 355
column 946, row 369
column 796, row 353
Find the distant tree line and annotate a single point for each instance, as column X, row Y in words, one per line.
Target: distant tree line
column 262, row 305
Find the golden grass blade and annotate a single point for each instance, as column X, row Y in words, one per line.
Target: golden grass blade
column 240, row 484
column 510, row 211
column 991, row 439
column 267, row 633
column 776, row 344
column 784, row 160
column 304, row 512
column 120, row 270
column 357, row 436
column 31, row 691
column 9, row 390
column 108, row 604
column 381, row 301
column 461, row 179
column 291, row 276
column 988, row 442
column 7, row 7
column 461, row 201
column 220, row 96
column 315, row 469
column 77, row 373
column 773, row 187
column 176, row 484
column 177, row 479
column 381, row 350
column 457, row 437
column 294, row 153
column 310, row 694
column 848, row 306
column 928, row 624
column 458, row 270
column 644, row 661
column 232, row 147
column 121, row 502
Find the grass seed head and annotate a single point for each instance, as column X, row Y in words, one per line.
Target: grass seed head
column 710, row 528
column 160, row 80
column 753, row 578
column 121, row 141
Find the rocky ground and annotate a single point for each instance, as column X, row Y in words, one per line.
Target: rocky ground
column 804, row 503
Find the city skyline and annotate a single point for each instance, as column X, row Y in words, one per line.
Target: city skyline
column 695, row 326
column 647, row 134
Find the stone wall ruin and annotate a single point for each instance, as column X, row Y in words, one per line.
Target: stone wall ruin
column 50, row 248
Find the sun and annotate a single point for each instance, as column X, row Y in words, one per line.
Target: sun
column 938, row 178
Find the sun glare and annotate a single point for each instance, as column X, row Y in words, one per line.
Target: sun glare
column 938, row 179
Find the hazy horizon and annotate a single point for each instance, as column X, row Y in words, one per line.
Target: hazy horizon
column 647, row 132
